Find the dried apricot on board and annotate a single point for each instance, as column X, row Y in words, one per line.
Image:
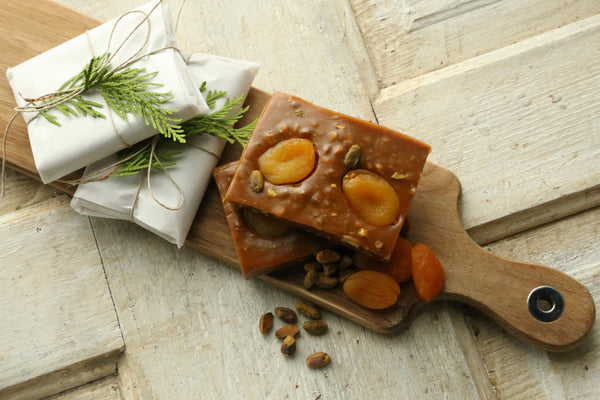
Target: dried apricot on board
column 399, row 267
column 372, row 289
column 427, row 272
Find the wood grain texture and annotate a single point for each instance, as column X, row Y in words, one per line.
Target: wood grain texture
column 497, row 286
column 435, row 221
column 103, row 389
column 210, row 235
column 573, row 246
column 414, row 37
column 23, row 40
column 191, row 328
column 190, row 323
column 23, row 191
column 59, row 326
column 189, row 335
column 517, row 127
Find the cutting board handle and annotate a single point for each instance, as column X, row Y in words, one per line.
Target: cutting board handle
column 538, row 304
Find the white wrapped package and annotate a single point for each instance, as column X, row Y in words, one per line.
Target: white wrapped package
column 82, row 140
column 130, row 198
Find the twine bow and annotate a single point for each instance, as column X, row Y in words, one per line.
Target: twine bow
column 62, row 96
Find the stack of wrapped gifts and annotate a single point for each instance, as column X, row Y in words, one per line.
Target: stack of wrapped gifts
column 147, row 120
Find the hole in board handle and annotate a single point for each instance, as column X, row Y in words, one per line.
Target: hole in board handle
column 545, row 303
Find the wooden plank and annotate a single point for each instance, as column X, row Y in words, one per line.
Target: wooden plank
column 20, row 44
column 187, row 331
column 190, row 324
column 573, row 246
column 22, row 191
column 104, row 389
column 59, row 325
column 517, row 127
column 313, row 60
column 210, row 234
column 414, row 37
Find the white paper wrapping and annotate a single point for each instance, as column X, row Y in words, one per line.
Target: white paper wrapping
column 79, row 141
column 115, row 197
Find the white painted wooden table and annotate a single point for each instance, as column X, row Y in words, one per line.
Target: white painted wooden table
column 507, row 94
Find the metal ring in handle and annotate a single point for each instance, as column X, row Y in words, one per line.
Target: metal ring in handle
column 545, row 303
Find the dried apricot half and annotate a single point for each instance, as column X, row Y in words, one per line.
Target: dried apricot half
column 289, row 161
column 264, row 224
column 371, row 196
column 372, row 289
column 427, row 272
column 399, row 267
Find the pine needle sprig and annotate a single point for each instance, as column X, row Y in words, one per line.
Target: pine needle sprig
column 163, row 158
column 219, row 123
column 126, row 92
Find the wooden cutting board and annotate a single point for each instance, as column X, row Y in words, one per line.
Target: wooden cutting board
column 556, row 317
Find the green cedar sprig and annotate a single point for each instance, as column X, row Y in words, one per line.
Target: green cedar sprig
column 126, row 91
column 140, row 161
column 219, row 123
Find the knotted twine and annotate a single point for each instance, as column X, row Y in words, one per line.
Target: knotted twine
column 63, row 96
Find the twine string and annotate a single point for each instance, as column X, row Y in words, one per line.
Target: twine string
column 149, row 182
column 62, row 96
column 65, row 95
column 104, row 172
column 3, row 171
column 204, row 149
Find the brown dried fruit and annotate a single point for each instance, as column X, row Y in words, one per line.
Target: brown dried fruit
column 372, row 197
column 318, row 360
column 287, row 330
column 288, row 347
column 308, row 310
column 345, row 262
column 372, row 289
column 330, row 269
column 315, row 327
column 352, row 158
column 428, row 273
column 286, row 314
column 266, row 323
column 265, row 225
column 257, row 182
column 313, row 266
column 327, row 256
column 310, row 278
column 398, row 267
column 326, row 282
column 289, row 161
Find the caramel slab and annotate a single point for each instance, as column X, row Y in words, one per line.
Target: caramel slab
column 263, row 244
column 317, row 201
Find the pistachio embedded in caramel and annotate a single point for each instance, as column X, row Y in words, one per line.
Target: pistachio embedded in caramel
column 352, row 158
column 257, row 181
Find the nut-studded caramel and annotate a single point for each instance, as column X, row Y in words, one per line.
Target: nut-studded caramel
column 263, row 244
column 316, row 201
